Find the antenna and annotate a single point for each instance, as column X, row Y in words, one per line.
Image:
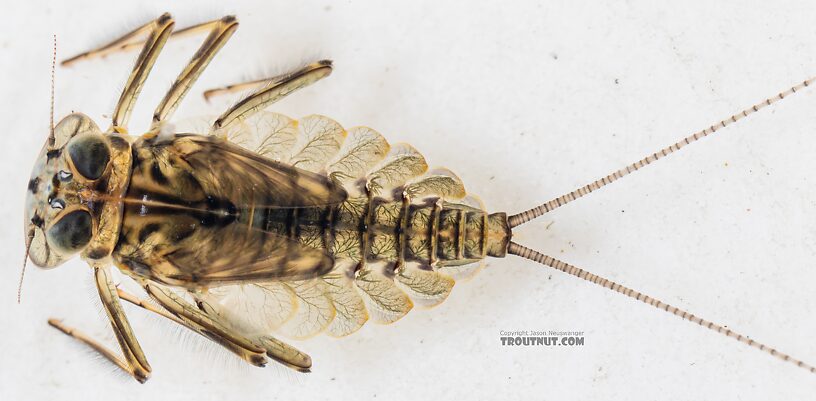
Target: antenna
column 556, row 264
column 51, row 138
column 29, row 240
column 51, row 141
column 521, row 218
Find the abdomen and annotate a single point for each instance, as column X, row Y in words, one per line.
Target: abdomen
column 431, row 233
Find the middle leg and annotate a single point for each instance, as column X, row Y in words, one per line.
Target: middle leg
column 220, row 31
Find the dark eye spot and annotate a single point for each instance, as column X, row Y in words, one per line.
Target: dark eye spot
column 37, row 221
column 63, row 175
column 72, row 232
column 90, row 155
column 53, row 154
column 34, row 184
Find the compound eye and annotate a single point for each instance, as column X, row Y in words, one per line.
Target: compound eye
column 90, row 155
column 72, row 232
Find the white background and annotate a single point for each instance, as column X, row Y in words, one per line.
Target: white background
column 525, row 102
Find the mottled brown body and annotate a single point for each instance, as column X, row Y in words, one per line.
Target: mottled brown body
column 187, row 224
column 271, row 225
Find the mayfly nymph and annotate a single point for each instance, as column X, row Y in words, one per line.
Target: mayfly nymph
column 265, row 226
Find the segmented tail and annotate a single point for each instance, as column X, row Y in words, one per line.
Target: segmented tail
column 528, row 253
column 523, row 217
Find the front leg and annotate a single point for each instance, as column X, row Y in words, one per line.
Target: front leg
column 134, row 362
column 151, row 37
column 157, row 32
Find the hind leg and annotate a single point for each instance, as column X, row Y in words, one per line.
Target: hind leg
column 271, row 91
column 205, row 321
